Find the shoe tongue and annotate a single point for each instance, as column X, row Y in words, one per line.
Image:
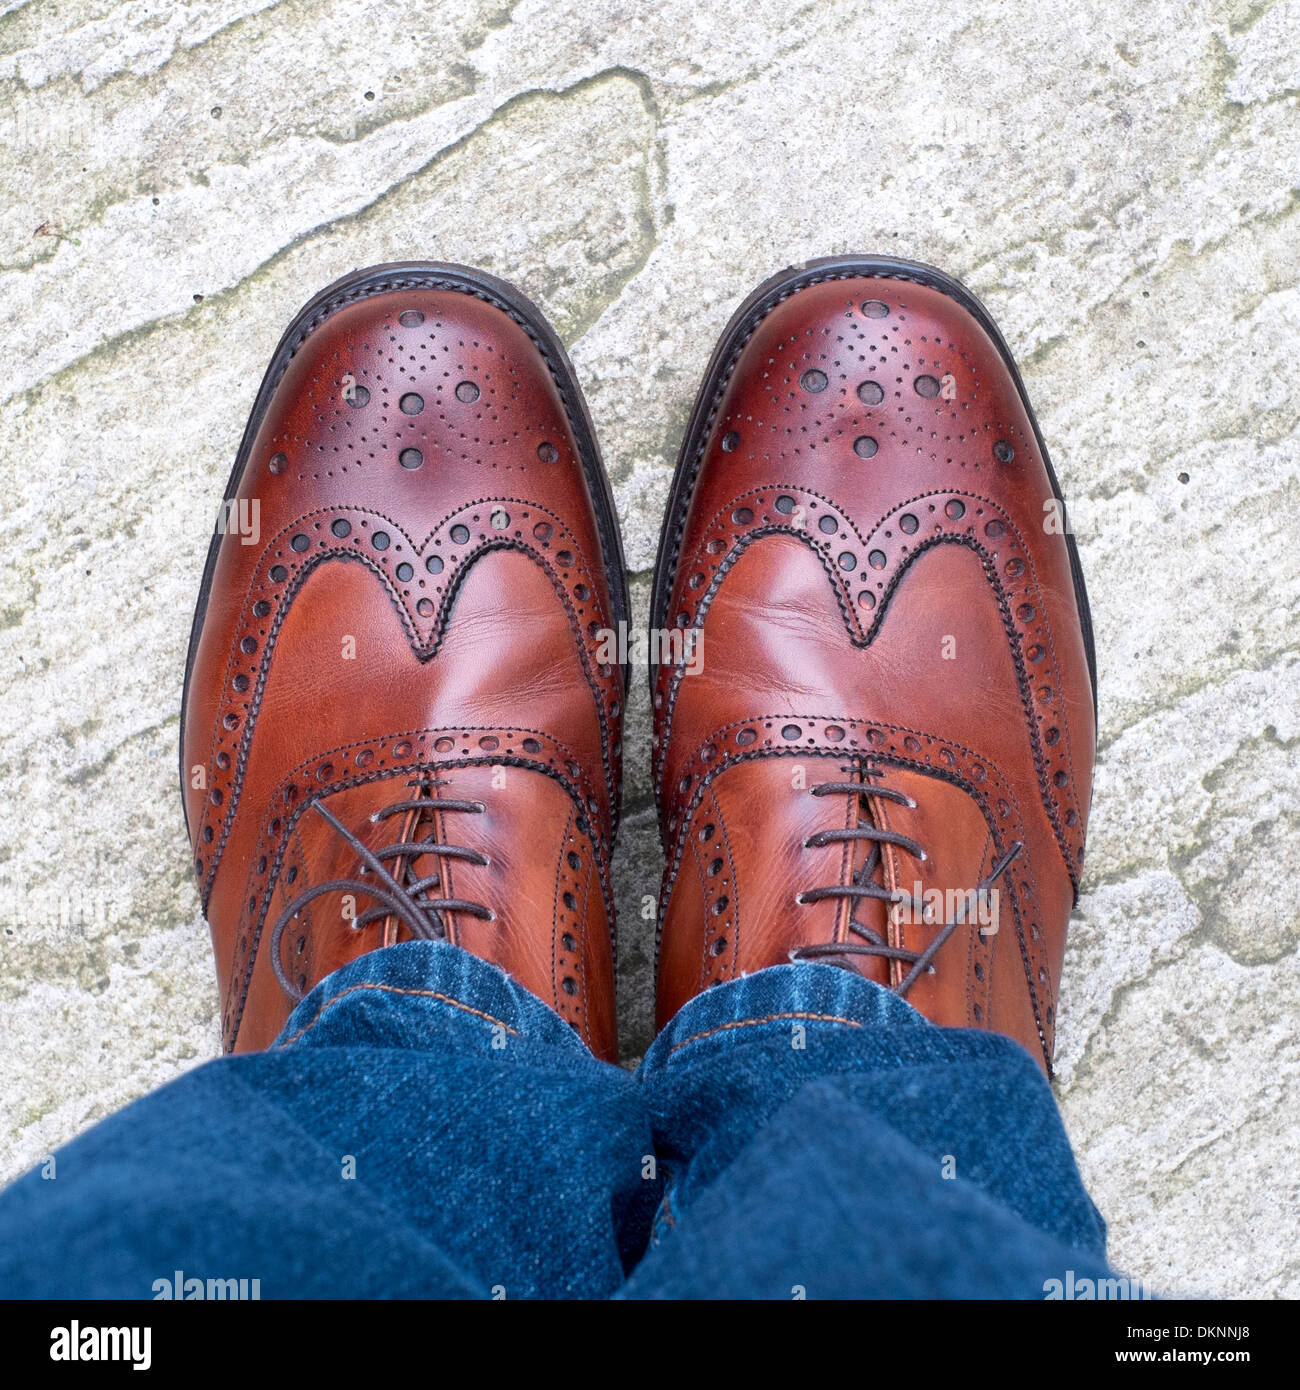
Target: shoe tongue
column 867, row 867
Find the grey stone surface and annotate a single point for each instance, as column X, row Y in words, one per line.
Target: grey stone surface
column 1119, row 183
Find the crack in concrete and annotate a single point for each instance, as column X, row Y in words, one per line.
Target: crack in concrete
column 219, row 297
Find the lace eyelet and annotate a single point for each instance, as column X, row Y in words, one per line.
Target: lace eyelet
column 798, row 897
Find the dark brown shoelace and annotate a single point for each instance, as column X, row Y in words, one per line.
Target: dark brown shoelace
column 867, row 885
column 404, row 896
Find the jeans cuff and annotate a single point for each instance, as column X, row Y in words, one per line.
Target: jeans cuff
column 426, row 994
column 781, row 997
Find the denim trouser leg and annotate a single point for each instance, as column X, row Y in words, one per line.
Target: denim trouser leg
column 818, row 1138
column 426, row 1128
column 423, row 1128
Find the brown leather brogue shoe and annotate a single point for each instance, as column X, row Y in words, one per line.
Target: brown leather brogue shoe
column 875, row 725
column 396, row 718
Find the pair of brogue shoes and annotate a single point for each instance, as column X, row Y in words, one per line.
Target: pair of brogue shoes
column 874, row 685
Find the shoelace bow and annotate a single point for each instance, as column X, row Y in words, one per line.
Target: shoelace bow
column 865, row 885
column 404, row 897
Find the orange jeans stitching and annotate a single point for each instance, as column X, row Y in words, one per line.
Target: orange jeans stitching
column 393, row 989
column 771, row 1018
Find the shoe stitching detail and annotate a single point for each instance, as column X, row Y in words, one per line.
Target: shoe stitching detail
column 423, row 653
column 1051, row 801
column 248, row 943
column 889, row 759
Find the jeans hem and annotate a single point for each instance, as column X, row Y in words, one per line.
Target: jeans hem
column 406, row 994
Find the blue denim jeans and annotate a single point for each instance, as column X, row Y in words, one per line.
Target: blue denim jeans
column 425, row 1128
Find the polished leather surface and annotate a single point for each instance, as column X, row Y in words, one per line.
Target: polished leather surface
column 406, row 621
column 870, row 553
